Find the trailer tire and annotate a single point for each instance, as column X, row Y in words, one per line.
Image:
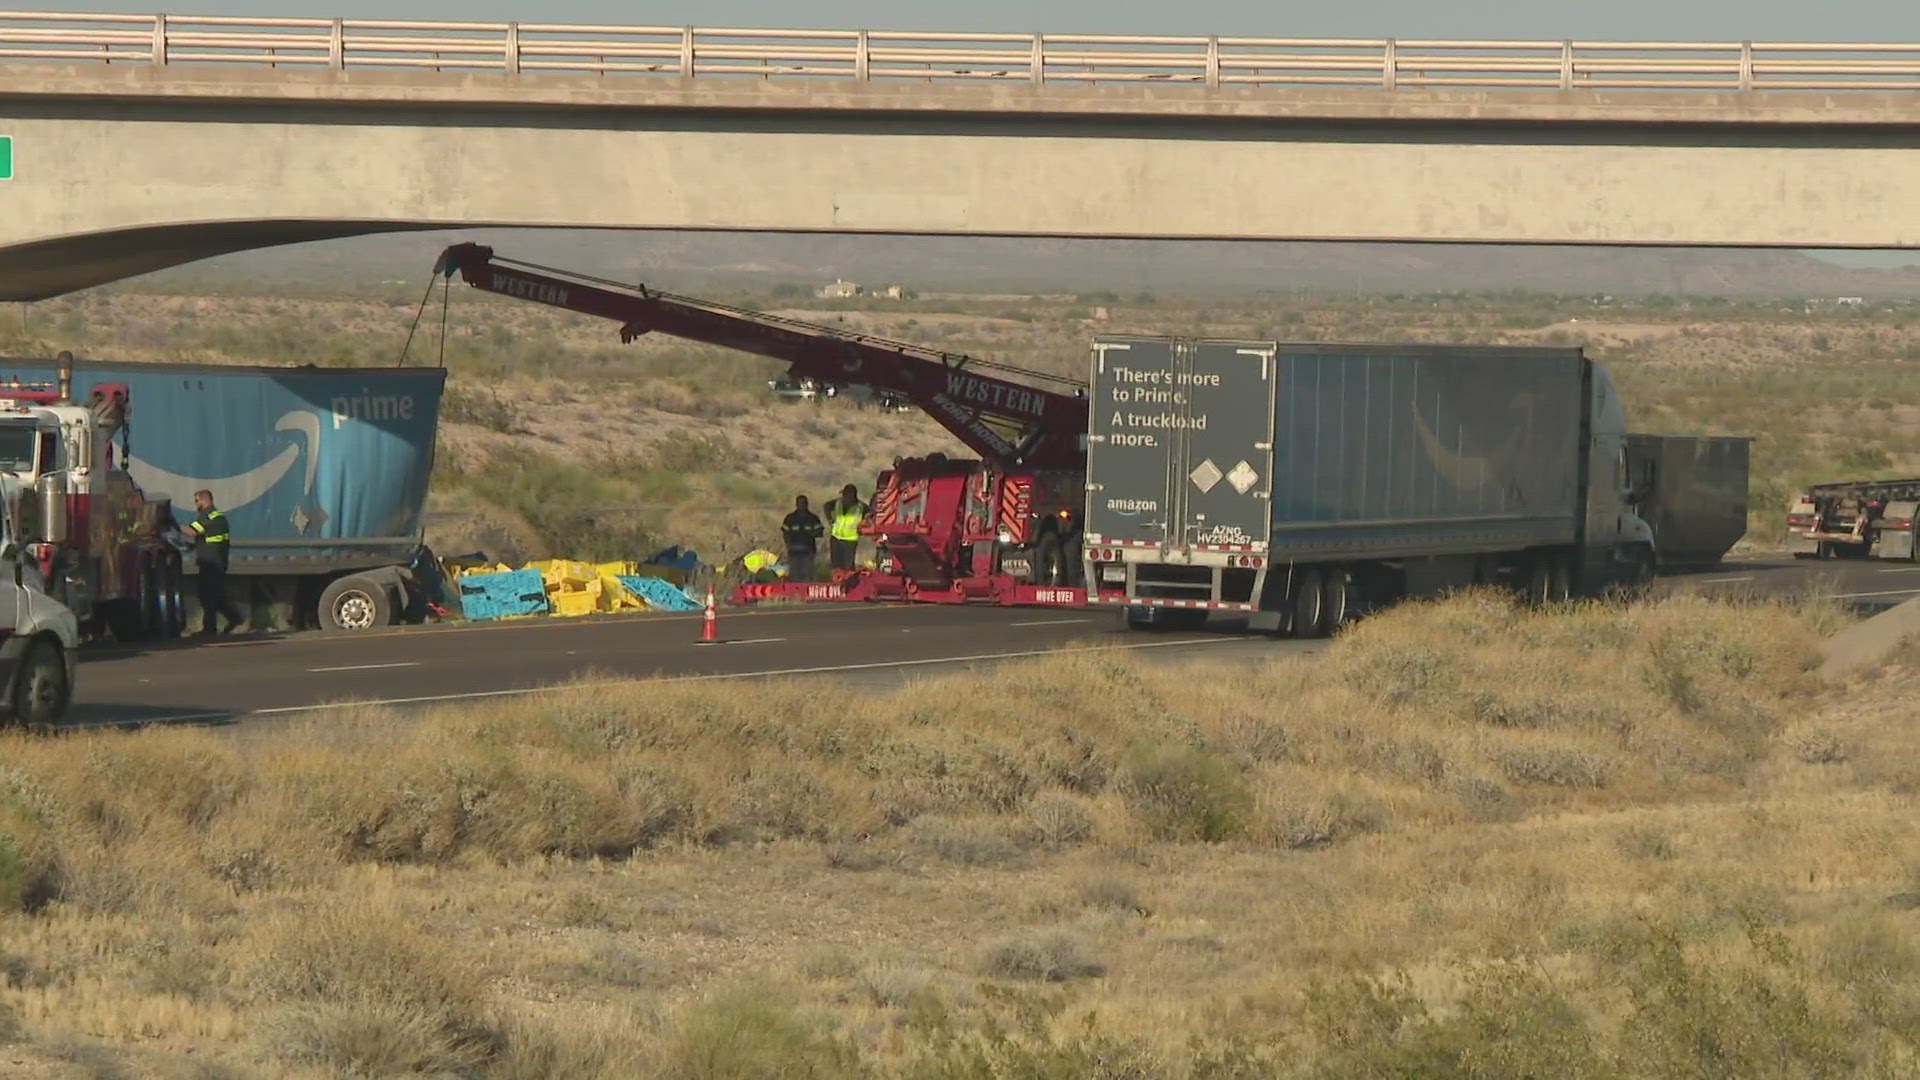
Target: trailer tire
column 1309, row 603
column 152, row 611
column 142, row 616
column 1547, row 581
column 355, row 603
column 40, row 691
column 169, row 584
column 1336, row 599
column 1049, row 562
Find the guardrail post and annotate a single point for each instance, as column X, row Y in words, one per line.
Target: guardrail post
column 1037, row 66
column 860, row 56
column 337, row 45
column 1213, row 61
column 1746, row 65
column 160, row 39
column 1566, row 65
column 686, row 52
column 510, row 53
column 1390, row 65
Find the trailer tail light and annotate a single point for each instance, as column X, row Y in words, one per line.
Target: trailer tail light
column 1249, row 562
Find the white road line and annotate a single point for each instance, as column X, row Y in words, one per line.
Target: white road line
column 284, row 710
column 746, row 641
column 1722, row 580
column 1050, row 622
column 1903, row 570
column 366, row 667
column 1883, row 592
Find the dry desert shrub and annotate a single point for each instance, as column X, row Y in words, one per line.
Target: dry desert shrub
column 304, row 898
column 1044, row 956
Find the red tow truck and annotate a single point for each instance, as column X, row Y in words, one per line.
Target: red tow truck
column 99, row 543
column 1004, row 529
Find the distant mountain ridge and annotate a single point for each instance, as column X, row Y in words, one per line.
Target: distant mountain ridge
column 687, row 260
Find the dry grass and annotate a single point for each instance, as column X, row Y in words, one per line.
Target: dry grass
column 1468, row 840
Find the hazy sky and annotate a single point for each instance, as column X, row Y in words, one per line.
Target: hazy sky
column 1683, row 20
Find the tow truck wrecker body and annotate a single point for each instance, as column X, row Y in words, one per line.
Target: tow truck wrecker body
column 1004, row 529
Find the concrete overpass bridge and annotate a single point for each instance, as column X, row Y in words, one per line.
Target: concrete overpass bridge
column 132, row 143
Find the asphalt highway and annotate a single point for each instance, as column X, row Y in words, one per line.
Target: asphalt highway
column 300, row 674
column 277, row 676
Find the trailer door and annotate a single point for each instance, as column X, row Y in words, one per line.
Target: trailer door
column 1224, row 398
column 1130, row 450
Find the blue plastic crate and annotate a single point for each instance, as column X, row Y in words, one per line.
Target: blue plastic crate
column 503, row 583
column 496, row 596
column 481, row 608
column 661, row 595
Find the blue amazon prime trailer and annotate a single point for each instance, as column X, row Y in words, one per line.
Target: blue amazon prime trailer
column 322, row 473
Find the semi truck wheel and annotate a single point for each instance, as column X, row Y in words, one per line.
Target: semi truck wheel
column 1049, row 562
column 152, row 609
column 142, row 616
column 1309, row 603
column 40, row 686
column 169, row 583
column 355, row 603
column 1336, row 597
column 1547, row 581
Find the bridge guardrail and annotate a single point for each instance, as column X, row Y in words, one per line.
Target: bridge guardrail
column 897, row 56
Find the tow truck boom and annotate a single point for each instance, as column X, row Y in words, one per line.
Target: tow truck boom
column 1010, row 416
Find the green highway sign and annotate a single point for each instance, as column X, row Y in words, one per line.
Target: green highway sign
column 6, row 157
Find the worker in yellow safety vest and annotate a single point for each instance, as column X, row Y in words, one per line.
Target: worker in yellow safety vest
column 843, row 526
column 212, row 540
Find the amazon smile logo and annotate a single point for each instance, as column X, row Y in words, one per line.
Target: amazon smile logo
column 231, row 493
column 1464, row 470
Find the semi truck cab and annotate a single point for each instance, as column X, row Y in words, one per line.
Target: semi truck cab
column 95, row 538
column 39, row 635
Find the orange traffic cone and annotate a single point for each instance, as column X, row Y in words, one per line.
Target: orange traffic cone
column 710, row 624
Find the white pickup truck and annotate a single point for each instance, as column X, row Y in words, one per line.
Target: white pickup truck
column 39, row 636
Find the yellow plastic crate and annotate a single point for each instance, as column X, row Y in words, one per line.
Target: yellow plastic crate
column 569, row 604
column 618, row 597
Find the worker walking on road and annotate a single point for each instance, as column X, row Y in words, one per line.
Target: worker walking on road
column 802, row 530
column 212, row 540
column 845, row 514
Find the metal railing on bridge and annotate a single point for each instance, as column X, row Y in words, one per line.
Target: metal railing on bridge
column 894, row 56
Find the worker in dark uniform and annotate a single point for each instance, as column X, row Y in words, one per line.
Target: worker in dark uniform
column 801, row 530
column 212, row 539
column 844, row 515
